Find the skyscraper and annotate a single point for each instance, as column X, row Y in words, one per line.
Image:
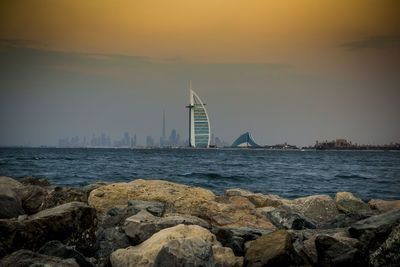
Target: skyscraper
column 163, row 138
column 199, row 124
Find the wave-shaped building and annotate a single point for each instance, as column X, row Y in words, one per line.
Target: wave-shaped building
column 199, row 123
column 245, row 140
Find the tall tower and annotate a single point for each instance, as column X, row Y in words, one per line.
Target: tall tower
column 163, row 126
column 199, row 124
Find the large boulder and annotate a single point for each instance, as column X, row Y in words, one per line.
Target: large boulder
column 61, row 195
column 184, row 199
column 383, row 205
column 319, row 208
column 346, row 202
column 34, row 181
column 236, row 238
column 32, row 197
column 143, row 225
column 72, row 223
column 387, row 254
column 185, row 252
column 57, row 249
column 284, row 217
column 273, row 249
column 29, row 258
column 332, row 252
column 146, row 253
column 10, row 202
column 237, row 212
column 109, row 240
column 373, row 231
column 304, row 243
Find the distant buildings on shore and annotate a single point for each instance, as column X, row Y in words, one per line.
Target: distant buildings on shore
column 343, row 144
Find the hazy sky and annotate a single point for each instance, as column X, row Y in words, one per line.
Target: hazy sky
column 291, row 71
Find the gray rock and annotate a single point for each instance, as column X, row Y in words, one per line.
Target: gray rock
column 108, row 240
column 153, row 207
column 22, row 258
column 61, row 195
column 344, row 220
column 72, row 223
column 373, row 231
column 185, row 252
column 34, row 181
column 143, row 225
column 332, row 252
column 32, row 197
column 388, row 254
column 57, row 249
column 235, row 238
column 346, row 202
column 10, row 202
column 284, row 217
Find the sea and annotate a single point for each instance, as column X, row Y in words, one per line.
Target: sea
column 289, row 174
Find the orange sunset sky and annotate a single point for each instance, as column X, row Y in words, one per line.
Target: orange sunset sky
column 302, row 70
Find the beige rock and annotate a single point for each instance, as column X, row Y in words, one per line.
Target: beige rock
column 145, row 254
column 233, row 216
column 383, row 205
column 319, row 208
column 346, row 202
column 259, row 200
column 185, row 199
column 224, row 257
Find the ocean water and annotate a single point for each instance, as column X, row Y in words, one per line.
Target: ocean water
column 290, row 174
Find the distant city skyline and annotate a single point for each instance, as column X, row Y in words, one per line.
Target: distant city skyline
column 291, row 71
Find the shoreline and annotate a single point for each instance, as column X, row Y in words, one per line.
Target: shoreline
column 150, row 222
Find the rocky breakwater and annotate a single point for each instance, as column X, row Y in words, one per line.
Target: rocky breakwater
column 158, row 223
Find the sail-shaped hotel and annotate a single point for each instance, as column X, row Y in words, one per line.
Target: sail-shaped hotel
column 199, row 124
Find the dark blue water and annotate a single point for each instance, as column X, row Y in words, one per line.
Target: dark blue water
column 290, row 174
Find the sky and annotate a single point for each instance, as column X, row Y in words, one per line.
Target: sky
column 292, row 71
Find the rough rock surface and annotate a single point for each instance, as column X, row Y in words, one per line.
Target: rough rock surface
column 185, row 252
column 259, row 200
column 153, row 207
column 108, row 240
column 284, row 217
column 238, row 213
column 185, row 199
column 72, row 223
column 388, row 254
column 62, row 195
column 274, row 249
column 90, row 187
column 319, row 208
column 57, row 249
column 28, row 258
column 34, row 181
column 32, row 197
column 383, row 205
column 332, row 252
column 344, row 220
column 143, row 225
column 224, row 257
column 10, row 202
column 146, row 253
column 235, row 238
column 374, row 230
column 346, row 202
